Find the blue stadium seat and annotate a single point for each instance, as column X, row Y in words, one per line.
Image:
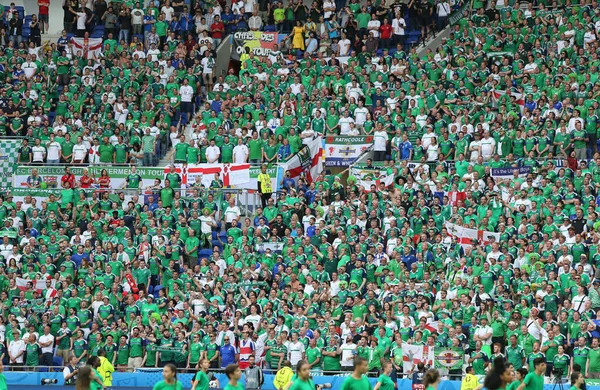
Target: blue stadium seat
column 156, row 289
column 270, row 28
column 217, row 243
column 205, row 253
column 57, row 361
column 97, row 34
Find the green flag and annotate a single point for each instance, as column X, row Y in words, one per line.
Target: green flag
column 448, row 358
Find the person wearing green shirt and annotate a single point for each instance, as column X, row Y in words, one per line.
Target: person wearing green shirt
column 594, row 359
column 535, row 380
column 577, row 381
column 313, row 355
column 201, row 380
column 170, row 381
column 580, row 355
column 302, row 380
column 561, row 361
column 32, row 350
column 384, row 382
column 181, row 150
column 134, row 179
column 234, row 374
column 479, row 359
column 358, row 379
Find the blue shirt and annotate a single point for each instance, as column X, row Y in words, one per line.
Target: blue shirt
column 405, row 148
column 78, row 258
column 227, row 355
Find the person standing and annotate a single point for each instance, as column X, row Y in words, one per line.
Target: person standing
column 265, row 187
column 535, row 380
column 303, row 380
column 46, row 343
column 203, row 378
column 358, row 380
column 384, row 382
column 169, row 381
column 254, row 375
column 234, row 374
column 106, row 368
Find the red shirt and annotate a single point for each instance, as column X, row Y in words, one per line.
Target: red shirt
column 68, row 179
column 217, row 26
column 43, row 6
column 386, row 31
column 86, row 181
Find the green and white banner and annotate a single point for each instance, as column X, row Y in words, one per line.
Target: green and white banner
column 51, row 175
column 9, row 149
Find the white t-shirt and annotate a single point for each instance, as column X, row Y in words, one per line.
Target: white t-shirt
column 240, row 154
column 205, row 227
column 54, row 149
column 168, row 11
column 348, row 353
column 397, row 24
column 212, row 153
column 380, row 140
column 295, row 352
column 360, row 115
column 208, row 63
column 345, row 125
column 232, row 213
column 187, row 93
column 344, row 45
column 29, row 68
column 38, row 153
column 45, row 339
column 374, row 23
column 81, row 19
column 79, row 151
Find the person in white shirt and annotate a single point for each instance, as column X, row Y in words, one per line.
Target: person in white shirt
column 329, row 8
column 380, row 139
column 212, row 153
column 360, row 113
column 168, row 11
column 79, row 151
column 488, row 146
column 29, row 68
column 344, row 123
column 187, row 94
column 46, row 343
column 443, row 11
column 240, row 153
column 53, row 150
column 255, row 22
column 398, row 26
column 16, row 349
column 344, row 45
column 373, row 26
column 295, row 350
column 38, row 152
column 348, row 352
column 232, row 213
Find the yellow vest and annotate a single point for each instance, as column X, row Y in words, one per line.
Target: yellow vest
column 106, row 369
column 469, row 382
column 265, row 181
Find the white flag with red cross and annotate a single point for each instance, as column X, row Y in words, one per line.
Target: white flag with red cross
column 466, row 236
column 87, row 48
column 232, row 175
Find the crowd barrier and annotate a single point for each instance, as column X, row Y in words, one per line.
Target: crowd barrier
column 146, row 380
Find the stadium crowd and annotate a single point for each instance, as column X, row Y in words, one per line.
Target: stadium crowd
column 177, row 276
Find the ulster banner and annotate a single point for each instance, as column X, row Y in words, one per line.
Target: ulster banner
column 466, row 236
column 368, row 177
column 342, row 151
column 415, row 354
column 233, row 175
column 87, row 48
column 308, row 160
column 260, row 43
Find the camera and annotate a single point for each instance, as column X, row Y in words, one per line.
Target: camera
column 47, row 381
column 558, row 372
